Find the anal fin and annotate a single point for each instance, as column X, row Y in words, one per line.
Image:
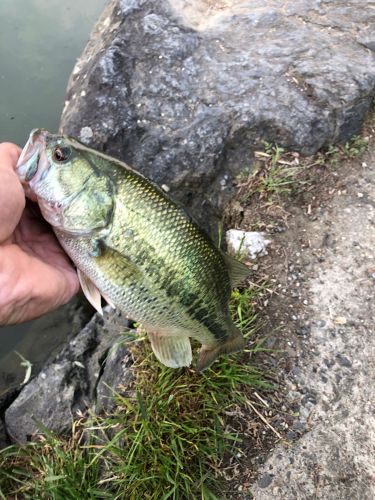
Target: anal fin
column 173, row 352
column 92, row 294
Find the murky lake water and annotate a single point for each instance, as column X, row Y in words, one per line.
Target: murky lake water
column 39, row 43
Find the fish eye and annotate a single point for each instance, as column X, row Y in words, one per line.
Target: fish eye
column 61, row 154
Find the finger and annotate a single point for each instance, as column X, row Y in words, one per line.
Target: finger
column 29, row 287
column 12, row 197
column 11, row 150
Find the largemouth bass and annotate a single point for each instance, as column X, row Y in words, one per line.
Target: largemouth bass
column 135, row 247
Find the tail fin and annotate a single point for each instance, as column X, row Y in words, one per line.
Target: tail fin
column 235, row 342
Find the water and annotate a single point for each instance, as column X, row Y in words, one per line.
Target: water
column 40, row 41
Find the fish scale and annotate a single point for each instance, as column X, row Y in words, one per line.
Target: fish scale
column 135, row 246
column 177, row 243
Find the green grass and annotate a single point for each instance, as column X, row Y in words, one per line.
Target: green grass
column 357, row 146
column 334, row 154
column 284, row 173
column 169, row 437
column 278, row 173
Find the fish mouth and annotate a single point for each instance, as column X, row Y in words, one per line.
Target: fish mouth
column 29, row 162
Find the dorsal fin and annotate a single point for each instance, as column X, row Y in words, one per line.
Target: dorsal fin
column 237, row 271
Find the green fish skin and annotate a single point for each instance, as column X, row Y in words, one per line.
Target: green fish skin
column 136, row 247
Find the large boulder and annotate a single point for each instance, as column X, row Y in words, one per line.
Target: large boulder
column 185, row 90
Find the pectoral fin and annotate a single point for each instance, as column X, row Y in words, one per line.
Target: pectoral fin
column 109, row 301
column 92, row 294
column 174, row 352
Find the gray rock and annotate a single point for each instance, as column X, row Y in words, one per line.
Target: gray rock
column 67, row 386
column 184, row 91
column 4, row 441
column 46, row 336
column 115, row 378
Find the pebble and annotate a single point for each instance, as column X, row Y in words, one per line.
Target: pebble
column 291, row 435
column 249, row 244
column 296, row 371
column 86, row 134
column 265, row 481
column 343, row 361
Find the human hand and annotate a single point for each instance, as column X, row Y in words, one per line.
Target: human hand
column 36, row 276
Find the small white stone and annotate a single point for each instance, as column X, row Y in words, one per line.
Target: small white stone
column 165, row 188
column 340, row 320
column 85, row 134
column 247, row 244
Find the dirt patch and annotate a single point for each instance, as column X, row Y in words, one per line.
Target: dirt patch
column 320, row 314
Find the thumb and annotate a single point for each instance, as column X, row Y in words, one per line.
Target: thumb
column 12, row 197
